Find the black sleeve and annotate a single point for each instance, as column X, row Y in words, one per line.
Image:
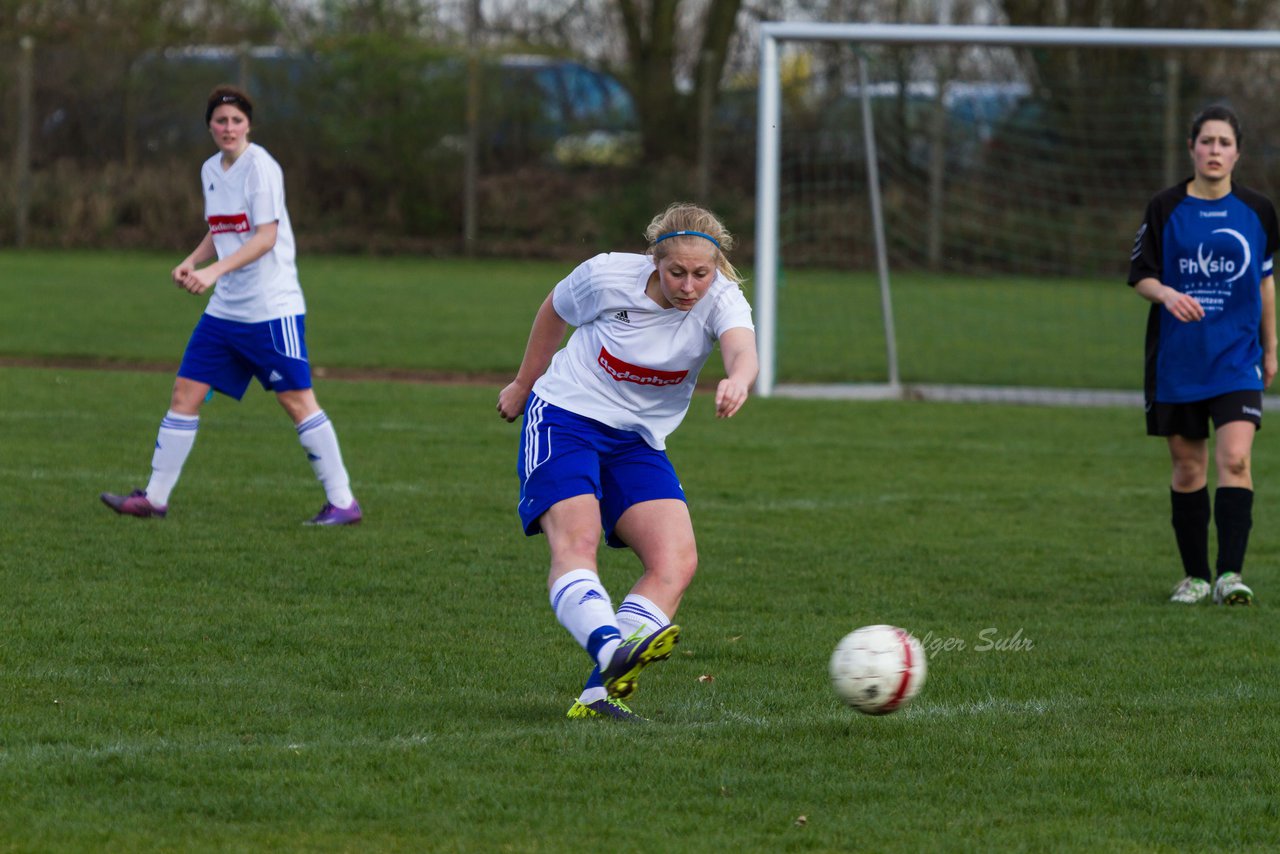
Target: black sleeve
column 1273, row 231
column 1144, row 260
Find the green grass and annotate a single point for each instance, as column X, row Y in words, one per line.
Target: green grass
column 384, row 313
column 996, row 331
column 229, row 680
column 474, row 316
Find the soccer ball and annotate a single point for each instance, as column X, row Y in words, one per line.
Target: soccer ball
column 878, row 669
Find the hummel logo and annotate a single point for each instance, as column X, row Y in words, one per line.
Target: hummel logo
column 210, row 186
column 588, row 596
column 275, row 377
column 622, row 315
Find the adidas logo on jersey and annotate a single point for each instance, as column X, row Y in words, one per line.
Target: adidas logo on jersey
column 622, row 315
column 275, row 377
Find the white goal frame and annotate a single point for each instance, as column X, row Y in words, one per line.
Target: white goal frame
column 768, row 153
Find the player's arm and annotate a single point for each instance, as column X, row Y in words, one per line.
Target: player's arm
column 259, row 243
column 205, row 251
column 1268, row 330
column 1182, row 306
column 738, row 348
column 544, row 339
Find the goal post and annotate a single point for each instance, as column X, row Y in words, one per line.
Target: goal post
column 770, row 245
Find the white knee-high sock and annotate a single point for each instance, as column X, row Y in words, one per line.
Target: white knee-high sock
column 582, row 606
column 173, row 444
column 638, row 617
column 318, row 438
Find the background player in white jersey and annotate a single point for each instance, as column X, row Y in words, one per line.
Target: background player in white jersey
column 1203, row 258
column 254, row 324
column 596, row 417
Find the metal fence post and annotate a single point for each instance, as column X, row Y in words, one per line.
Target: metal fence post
column 22, row 148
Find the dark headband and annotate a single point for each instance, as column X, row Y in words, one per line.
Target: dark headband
column 228, row 98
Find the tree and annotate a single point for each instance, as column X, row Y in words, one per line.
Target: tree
column 1184, row 79
column 668, row 115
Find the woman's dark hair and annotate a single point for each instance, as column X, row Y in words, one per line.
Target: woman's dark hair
column 227, row 94
column 1216, row 113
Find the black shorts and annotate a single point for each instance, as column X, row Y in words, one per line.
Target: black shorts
column 1191, row 420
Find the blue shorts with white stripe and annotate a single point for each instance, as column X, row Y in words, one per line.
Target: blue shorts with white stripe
column 564, row 455
column 227, row 354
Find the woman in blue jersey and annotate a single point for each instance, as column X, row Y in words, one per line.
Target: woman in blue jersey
column 596, row 417
column 1203, row 258
column 253, row 325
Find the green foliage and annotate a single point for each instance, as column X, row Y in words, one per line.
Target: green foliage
column 386, row 112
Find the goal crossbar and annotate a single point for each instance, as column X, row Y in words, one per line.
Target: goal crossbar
column 769, row 130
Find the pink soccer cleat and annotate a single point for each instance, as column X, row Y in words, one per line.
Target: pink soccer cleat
column 133, row 504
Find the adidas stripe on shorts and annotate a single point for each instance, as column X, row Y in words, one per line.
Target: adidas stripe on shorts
column 563, row 455
column 227, row 354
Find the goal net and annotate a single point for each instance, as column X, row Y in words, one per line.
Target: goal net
column 949, row 211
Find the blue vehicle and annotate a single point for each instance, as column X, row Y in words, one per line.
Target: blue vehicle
column 533, row 108
column 565, row 111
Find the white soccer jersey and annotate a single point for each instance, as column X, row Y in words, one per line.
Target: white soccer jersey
column 630, row 363
column 236, row 202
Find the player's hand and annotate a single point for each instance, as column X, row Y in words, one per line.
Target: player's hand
column 1269, row 368
column 730, row 395
column 180, row 273
column 511, row 400
column 197, row 281
column 1184, row 306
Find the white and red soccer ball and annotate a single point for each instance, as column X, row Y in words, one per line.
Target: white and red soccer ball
column 878, row 669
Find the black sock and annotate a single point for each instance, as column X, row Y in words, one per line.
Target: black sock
column 1233, row 512
column 1191, row 514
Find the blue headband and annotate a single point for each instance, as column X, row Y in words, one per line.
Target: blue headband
column 663, row 237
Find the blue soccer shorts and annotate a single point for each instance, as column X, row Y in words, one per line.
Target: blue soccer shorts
column 227, row 354
column 563, row 455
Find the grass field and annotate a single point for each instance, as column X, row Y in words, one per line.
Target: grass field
column 473, row 317
column 229, row 680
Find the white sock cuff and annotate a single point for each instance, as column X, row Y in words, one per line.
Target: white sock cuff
column 642, row 610
column 570, row 578
column 312, row 421
column 177, row 421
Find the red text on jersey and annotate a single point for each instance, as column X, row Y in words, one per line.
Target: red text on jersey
column 223, row 223
column 627, row 372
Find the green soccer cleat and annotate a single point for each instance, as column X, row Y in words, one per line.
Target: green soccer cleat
column 1230, row 589
column 633, row 656
column 1190, row 590
column 606, row 708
